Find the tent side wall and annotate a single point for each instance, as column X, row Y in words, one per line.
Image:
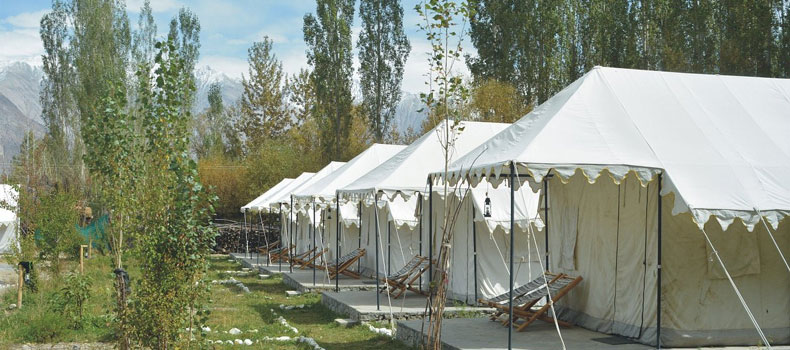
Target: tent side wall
column 607, row 233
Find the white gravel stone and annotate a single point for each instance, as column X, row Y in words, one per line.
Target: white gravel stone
column 234, row 331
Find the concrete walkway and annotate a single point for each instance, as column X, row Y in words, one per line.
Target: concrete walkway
column 304, row 280
column 361, row 306
column 482, row 333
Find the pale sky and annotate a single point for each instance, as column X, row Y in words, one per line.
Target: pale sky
column 228, row 29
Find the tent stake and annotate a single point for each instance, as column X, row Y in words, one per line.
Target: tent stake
column 512, row 242
column 658, row 295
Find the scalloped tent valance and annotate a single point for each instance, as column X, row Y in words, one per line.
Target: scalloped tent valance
column 262, row 201
column 324, row 190
column 284, row 195
column 721, row 141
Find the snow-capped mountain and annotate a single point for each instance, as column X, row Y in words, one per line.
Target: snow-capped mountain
column 20, row 108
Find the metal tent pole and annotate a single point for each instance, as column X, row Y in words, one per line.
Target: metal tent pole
column 282, row 240
column 430, row 231
column 389, row 245
column 419, row 200
column 337, row 241
column 376, row 220
column 512, row 242
column 246, row 238
column 474, row 248
column 546, row 219
column 313, row 247
column 658, row 295
column 359, row 238
column 292, row 239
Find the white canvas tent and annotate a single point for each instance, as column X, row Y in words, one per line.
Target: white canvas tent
column 321, row 194
column 304, row 221
column 262, row 201
column 395, row 221
column 8, row 218
column 712, row 146
column 275, row 206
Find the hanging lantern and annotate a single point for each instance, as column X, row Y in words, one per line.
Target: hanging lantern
column 487, row 207
column 329, row 213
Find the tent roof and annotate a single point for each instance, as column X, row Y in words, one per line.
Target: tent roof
column 324, row 172
column 262, row 200
column 720, row 141
column 325, row 189
column 407, row 172
column 284, row 195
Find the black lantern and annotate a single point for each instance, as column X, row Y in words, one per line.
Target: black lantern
column 487, row 207
column 329, row 213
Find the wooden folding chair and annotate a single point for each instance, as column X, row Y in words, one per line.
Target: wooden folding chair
column 344, row 263
column 280, row 253
column 558, row 286
column 305, row 263
column 300, row 256
column 267, row 248
column 402, row 280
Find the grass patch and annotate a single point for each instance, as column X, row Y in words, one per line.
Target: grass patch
column 260, row 309
column 255, row 313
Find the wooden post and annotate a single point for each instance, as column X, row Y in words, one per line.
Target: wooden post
column 90, row 247
column 82, row 256
column 20, row 285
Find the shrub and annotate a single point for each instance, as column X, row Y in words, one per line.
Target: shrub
column 71, row 300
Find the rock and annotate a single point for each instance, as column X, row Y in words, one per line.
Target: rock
column 283, row 338
column 206, row 329
column 263, row 277
column 229, row 342
column 11, row 306
column 247, row 342
column 239, row 341
column 346, row 322
column 234, row 331
column 292, row 293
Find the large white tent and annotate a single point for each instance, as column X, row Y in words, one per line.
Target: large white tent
column 304, row 221
column 711, row 146
column 391, row 231
column 8, row 218
column 262, row 201
column 321, row 194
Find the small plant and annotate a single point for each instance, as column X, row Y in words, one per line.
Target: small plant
column 71, row 300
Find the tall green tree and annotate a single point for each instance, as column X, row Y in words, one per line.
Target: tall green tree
column 185, row 35
column 383, row 50
column 328, row 39
column 58, row 105
column 263, row 110
column 210, row 124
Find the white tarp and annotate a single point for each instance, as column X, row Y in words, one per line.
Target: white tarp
column 324, row 190
column 721, row 141
column 8, row 218
column 262, row 200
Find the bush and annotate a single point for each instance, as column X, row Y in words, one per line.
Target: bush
column 54, row 223
column 43, row 327
column 71, row 300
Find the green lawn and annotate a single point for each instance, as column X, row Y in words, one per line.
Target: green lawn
column 230, row 308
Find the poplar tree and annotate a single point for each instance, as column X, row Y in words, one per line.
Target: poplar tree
column 383, row 50
column 328, row 39
column 263, row 113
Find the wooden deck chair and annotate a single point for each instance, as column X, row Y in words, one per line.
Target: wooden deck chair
column 402, row 280
column 504, row 298
column 267, row 248
column 305, row 263
column 299, row 256
column 559, row 286
column 344, row 263
column 279, row 253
